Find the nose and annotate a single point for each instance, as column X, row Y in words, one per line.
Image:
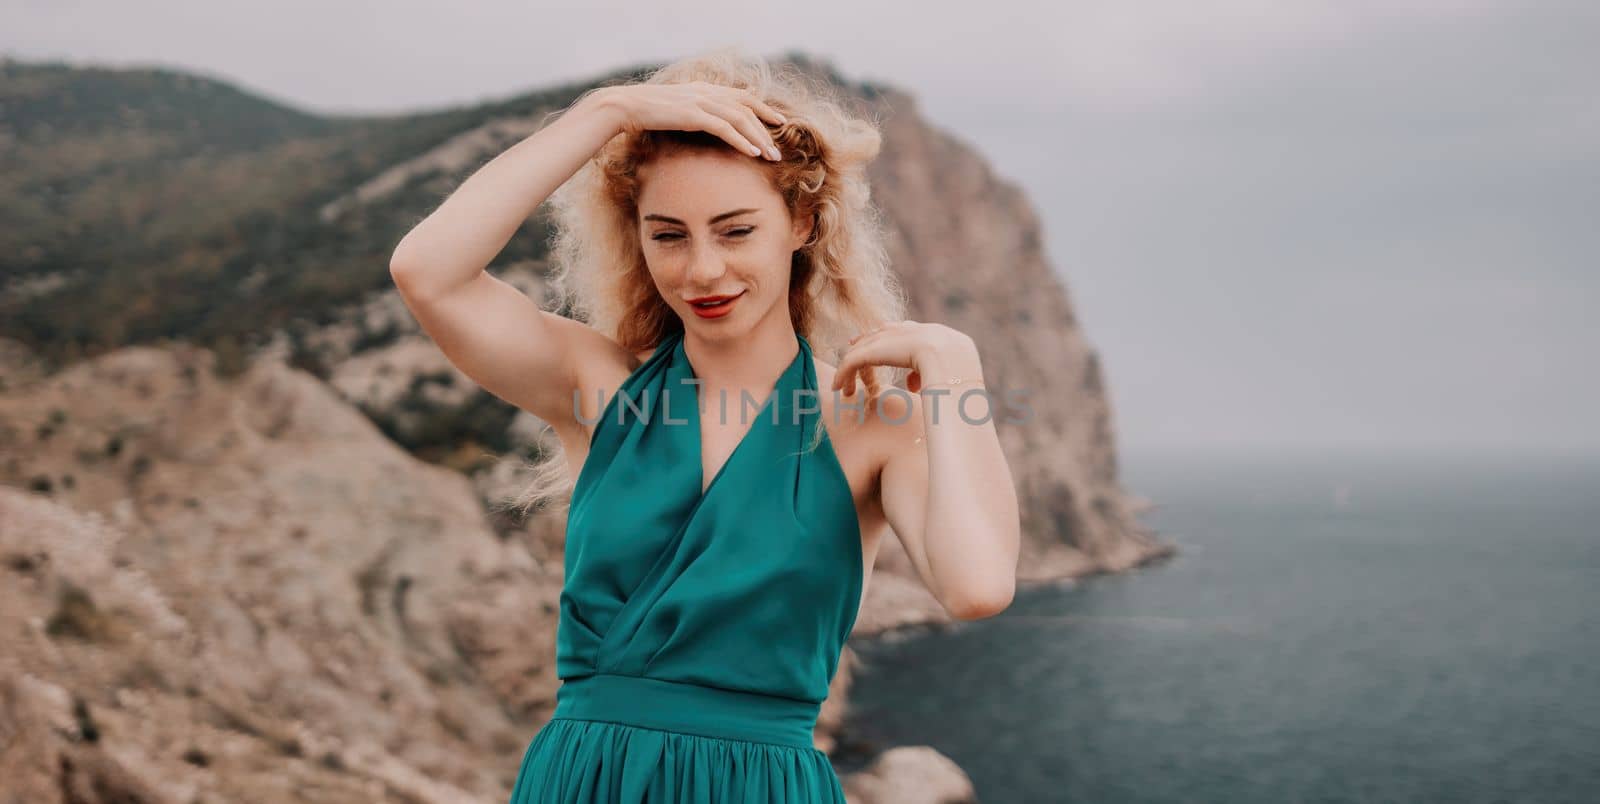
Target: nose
column 705, row 266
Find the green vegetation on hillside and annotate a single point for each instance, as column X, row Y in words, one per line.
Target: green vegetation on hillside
column 145, row 204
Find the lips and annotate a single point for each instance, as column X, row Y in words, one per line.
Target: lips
column 714, row 306
column 704, row 300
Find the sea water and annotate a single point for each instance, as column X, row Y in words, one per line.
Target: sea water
column 1334, row 627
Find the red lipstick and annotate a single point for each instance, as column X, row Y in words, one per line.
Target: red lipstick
column 714, row 306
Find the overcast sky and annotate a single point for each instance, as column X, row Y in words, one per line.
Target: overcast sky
column 1284, row 224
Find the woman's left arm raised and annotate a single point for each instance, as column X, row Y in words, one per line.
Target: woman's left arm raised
column 945, row 486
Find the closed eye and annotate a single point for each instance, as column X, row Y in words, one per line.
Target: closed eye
column 676, row 236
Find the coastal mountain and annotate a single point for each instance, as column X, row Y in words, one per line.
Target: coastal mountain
column 248, row 529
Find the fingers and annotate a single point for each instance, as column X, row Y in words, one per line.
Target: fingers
column 844, row 373
column 861, row 354
column 753, row 130
column 868, row 348
column 764, row 109
column 718, row 124
column 737, row 116
column 844, row 379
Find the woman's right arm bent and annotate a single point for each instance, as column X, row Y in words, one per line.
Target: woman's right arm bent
column 489, row 329
column 486, row 327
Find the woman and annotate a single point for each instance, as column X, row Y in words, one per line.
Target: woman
column 714, row 223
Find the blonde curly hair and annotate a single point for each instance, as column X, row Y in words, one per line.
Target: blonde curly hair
column 841, row 282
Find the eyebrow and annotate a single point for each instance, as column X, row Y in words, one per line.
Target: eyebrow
column 714, row 219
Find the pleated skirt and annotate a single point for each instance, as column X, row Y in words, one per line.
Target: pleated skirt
column 618, row 739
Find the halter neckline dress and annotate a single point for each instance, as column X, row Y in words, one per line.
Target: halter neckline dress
column 698, row 633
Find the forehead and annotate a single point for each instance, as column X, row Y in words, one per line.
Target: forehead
column 695, row 185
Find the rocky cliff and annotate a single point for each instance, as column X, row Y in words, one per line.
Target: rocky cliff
column 969, row 248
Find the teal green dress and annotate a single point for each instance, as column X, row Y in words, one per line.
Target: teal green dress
column 698, row 633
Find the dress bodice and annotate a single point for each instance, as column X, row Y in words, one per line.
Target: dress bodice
column 752, row 585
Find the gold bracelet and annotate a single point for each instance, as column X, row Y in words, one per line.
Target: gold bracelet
column 954, row 381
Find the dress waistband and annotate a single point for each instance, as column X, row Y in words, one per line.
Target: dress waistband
column 693, row 708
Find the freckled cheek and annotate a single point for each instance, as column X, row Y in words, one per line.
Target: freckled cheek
column 668, row 269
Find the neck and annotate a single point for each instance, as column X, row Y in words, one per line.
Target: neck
column 750, row 361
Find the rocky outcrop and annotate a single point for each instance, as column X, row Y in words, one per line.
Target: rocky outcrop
column 968, row 246
column 240, row 590
column 910, row 773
